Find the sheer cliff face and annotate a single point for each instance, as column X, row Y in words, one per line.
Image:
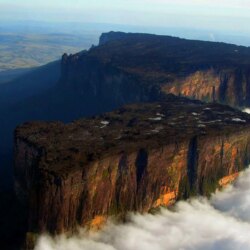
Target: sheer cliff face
column 134, row 159
column 99, row 81
column 224, row 86
column 135, row 67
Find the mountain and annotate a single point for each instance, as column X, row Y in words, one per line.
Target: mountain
column 125, row 68
column 207, row 71
column 128, row 67
column 136, row 158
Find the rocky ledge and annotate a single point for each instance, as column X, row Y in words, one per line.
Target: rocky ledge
column 136, row 158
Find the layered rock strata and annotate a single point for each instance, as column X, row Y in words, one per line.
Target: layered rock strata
column 136, row 158
column 128, row 67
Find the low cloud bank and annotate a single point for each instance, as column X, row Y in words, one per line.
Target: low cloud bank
column 223, row 223
column 246, row 110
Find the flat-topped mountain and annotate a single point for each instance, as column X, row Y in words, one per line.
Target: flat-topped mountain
column 203, row 70
column 123, row 69
column 136, row 158
column 128, row 68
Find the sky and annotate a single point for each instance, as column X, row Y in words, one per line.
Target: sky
column 198, row 14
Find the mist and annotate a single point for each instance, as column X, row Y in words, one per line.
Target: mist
column 246, row 110
column 221, row 223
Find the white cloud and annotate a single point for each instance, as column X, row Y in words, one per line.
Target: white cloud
column 223, row 223
column 247, row 110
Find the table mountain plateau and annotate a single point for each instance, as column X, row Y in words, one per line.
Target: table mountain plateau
column 152, row 153
column 136, row 158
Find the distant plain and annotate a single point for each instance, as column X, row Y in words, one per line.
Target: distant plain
column 31, row 50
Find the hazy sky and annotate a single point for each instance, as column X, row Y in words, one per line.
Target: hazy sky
column 206, row 14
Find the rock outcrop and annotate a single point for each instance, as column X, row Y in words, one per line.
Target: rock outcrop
column 136, row 158
column 148, row 63
column 129, row 68
column 224, row 86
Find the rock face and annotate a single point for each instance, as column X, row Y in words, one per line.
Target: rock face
column 128, row 68
column 94, row 79
column 147, row 63
column 224, row 86
column 111, row 36
column 137, row 158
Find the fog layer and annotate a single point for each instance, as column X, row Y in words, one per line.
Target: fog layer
column 220, row 223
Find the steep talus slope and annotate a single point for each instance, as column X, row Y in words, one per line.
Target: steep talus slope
column 136, row 158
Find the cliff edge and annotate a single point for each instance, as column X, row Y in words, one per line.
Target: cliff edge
column 208, row 71
column 136, row 158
